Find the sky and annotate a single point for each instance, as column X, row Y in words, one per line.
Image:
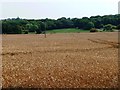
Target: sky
column 41, row 9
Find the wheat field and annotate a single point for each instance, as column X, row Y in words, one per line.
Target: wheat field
column 75, row 60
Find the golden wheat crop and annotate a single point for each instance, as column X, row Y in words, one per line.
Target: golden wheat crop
column 76, row 60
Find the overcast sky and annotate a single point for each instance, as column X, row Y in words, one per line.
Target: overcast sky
column 37, row 9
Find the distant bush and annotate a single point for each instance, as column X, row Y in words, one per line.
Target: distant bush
column 112, row 30
column 93, row 30
column 108, row 27
column 114, row 27
column 25, row 32
column 118, row 27
column 88, row 25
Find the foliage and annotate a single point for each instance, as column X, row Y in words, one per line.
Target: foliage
column 9, row 27
column 93, row 30
column 108, row 27
column 25, row 32
column 118, row 27
column 17, row 25
column 89, row 25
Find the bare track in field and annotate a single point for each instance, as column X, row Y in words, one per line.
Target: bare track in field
column 76, row 60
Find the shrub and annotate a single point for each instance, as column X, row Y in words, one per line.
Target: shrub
column 112, row 30
column 88, row 25
column 93, row 30
column 25, row 32
column 114, row 27
column 118, row 27
column 108, row 27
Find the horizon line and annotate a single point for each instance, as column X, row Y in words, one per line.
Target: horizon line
column 53, row 18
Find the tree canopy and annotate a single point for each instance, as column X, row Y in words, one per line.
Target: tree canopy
column 18, row 26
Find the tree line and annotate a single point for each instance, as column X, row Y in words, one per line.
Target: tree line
column 20, row 26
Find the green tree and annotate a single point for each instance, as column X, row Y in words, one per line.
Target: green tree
column 89, row 25
column 38, row 30
column 118, row 26
column 30, row 27
column 108, row 27
column 43, row 26
column 11, row 27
